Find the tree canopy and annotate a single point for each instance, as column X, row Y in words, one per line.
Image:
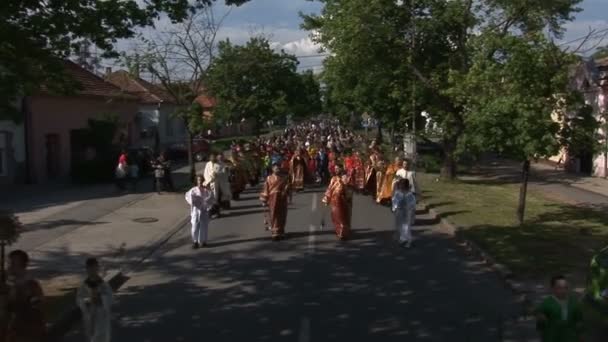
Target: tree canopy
column 254, row 81
column 36, row 35
column 386, row 51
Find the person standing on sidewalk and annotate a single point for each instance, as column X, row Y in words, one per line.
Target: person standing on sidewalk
column 25, row 296
column 94, row 298
column 559, row 316
column 200, row 198
column 122, row 170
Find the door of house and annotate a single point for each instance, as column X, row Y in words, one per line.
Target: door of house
column 53, row 161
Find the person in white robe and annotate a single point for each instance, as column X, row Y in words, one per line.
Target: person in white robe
column 200, row 198
column 223, row 182
column 211, row 181
column 405, row 172
column 94, row 298
column 404, row 209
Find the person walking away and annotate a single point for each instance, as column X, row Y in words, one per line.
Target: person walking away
column 404, row 209
column 159, row 175
column 405, row 172
column 200, row 198
column 339, row 197
column 94, row 298
column 223, row 182
column 275, row 195
column 133, row 172
column 559, row 316
column 297, row 169
column 121, row 171
column 26, row 321
column 211, row 182
column 168, row 179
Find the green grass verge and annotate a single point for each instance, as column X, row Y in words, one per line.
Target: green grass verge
column 549, row 242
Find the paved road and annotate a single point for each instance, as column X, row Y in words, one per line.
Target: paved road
column 311, row 287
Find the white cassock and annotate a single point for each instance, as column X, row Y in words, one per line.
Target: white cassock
column 222, row 180
column 410, row 176
column 404, row 208
column 210, row 174
column 200, row 201
column 96, row 318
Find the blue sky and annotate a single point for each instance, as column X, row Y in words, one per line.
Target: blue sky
column 279, row 20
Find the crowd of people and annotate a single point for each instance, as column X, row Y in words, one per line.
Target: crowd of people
column 314, row 153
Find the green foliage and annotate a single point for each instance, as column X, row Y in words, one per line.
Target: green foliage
column 253, row 81
column 579, row 134
column 36, row 35
column 446, row 53
column 512, row 99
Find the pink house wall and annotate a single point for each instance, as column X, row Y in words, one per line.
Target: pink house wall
column 61, row 115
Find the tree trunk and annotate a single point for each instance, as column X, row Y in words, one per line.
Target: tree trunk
column 379, row 133
column 191, row 157
column 523, row 190
column 448, row 169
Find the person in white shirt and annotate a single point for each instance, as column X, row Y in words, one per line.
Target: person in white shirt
column 223, row 194
column 404, row 208
column 212, row 168
column 200, row 198
column 94, row 298
column 405, row 173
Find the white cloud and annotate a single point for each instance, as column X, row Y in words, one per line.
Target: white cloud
column 302, row 47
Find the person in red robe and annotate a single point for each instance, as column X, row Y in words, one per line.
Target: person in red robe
column 349, row 168
column 286, row 161
column 339, row 197
column 333, row 159
column 297, row 169
column 312, row 166
column 26, row 321
column 359, row 170
column 275, row 195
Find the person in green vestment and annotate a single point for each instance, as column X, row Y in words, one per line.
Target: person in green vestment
column 559, row 316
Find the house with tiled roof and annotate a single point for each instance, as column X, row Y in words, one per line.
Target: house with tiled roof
column 159, row 129
column 590, row 77
column 45, row 146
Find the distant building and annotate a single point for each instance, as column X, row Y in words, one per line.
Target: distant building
column 42, row 147
column 159, row 128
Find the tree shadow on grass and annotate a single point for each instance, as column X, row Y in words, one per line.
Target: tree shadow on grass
column 562, row 240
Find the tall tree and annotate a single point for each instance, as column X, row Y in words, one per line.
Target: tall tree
column 252, row 81
column 433, row 42
column 35, row 35
column 179, row 58
column 514, row 101
column 306, row 94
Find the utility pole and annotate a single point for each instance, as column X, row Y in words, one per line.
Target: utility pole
column 413, row 49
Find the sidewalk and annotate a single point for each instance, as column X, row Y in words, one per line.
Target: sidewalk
column 546, row 171
column 64, row 227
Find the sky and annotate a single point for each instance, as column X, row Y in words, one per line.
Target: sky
column 280, row 20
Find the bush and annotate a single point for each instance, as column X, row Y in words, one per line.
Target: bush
column 430, row 163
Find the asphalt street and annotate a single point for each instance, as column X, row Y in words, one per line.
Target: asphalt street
column 310, row 287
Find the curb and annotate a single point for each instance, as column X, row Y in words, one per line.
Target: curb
column 115, row 279
column 506, row 275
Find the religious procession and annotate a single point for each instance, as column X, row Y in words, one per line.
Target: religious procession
column 312, row 154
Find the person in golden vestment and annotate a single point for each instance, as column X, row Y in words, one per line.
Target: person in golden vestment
column 380, row 170
column 340, row 198
column 297, row 170
column 359, row 179
column 389, row 177
column 275, row 194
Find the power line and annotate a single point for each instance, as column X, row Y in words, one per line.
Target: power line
column 587, row 36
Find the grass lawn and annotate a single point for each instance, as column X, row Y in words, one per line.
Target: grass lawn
column 550, row 241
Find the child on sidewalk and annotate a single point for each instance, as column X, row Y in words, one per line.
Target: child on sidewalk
column 94, row 298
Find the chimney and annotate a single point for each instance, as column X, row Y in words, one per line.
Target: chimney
column 108, row 71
